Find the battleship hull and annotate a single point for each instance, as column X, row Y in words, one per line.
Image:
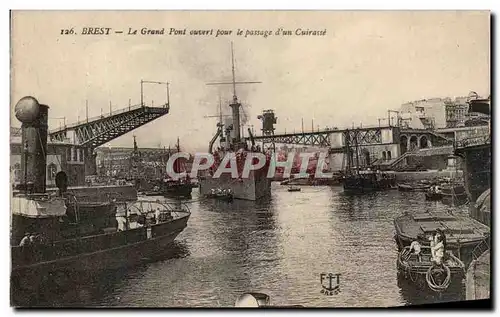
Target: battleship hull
column 255, row 187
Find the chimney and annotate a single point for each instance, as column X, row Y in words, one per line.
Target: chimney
column 34, row 118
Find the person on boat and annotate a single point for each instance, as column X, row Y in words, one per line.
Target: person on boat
column 26, row 240
column 438, row 248
column 416, row 246
column 157, row 214
column 443, row 238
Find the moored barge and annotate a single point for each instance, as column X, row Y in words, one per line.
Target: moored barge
column 463, row 234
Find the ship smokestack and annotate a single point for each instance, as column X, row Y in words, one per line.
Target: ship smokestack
column 236, row 120
column 34, row 118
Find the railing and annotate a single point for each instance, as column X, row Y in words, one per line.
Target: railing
column 103, row 116
column 326, row 130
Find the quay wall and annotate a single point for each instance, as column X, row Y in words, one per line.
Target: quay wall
column 428, row 175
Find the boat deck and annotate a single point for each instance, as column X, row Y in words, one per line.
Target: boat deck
column 425, row 262
column 457, row 229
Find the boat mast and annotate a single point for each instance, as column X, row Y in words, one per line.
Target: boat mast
column 235, row 105
column 220, row 111
column 347, row 153
column 235, row 98
column 356, row 145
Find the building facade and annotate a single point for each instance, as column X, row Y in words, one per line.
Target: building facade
column 434, row 113
column 130, row 163
column 61, row 156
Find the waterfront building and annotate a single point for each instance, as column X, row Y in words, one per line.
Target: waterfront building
column 122, row 162
column 434, row 113
column 61, row 156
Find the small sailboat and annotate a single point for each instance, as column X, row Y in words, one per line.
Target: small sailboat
column 359, row 178
column 180, row 187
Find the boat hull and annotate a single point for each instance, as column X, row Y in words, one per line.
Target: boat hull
column 181, row 190
column 415, row 272
column 433, row 196
column 410, row 188
column 366, row 185
column 30, row 275
column 255, row 187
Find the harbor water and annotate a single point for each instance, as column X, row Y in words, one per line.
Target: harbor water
column 279, row 247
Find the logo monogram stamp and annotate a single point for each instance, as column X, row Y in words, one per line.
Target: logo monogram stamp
column 330, row 283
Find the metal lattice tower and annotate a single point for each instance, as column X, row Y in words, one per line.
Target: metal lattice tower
column 94, row 132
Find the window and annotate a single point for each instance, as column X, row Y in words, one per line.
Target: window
column 388, row 155
column 51, row 171
column 75, row 154
column 384, row 157
column 68, row 154
column 81, row 155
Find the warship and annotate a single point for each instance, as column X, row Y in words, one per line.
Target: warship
column 254, row 187
column 53, row 241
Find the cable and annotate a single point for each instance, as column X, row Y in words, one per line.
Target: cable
column 433, row 284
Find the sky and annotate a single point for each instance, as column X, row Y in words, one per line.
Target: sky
column 368, row 62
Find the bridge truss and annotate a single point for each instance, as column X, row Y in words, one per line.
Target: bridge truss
column 320, row 139
column 94, row 132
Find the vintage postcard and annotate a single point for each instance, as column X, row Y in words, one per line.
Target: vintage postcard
column 250, row 158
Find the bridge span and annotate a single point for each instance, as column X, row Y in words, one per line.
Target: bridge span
column 96, row 131
column 382, row 145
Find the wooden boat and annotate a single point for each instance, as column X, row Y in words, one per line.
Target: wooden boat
column 151, row 193
column 434, row 193
column 177, row 188
column 294, row 189
column 406, row 187
column 221, row 194
column 432, row 196
column 419, row 270
column 463, row 234
column 359, row 177
column 454, row 194
column 368, row 181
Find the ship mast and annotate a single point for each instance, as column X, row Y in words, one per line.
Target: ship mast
column 235, row 98
column 220, row 111
column 235, row 105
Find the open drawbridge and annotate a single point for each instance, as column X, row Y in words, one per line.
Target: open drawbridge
column 96, row 131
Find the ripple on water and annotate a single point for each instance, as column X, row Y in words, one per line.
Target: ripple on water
column 280, row 248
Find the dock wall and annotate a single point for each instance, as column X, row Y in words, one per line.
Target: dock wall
column 427, row 175
column 477, row 284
